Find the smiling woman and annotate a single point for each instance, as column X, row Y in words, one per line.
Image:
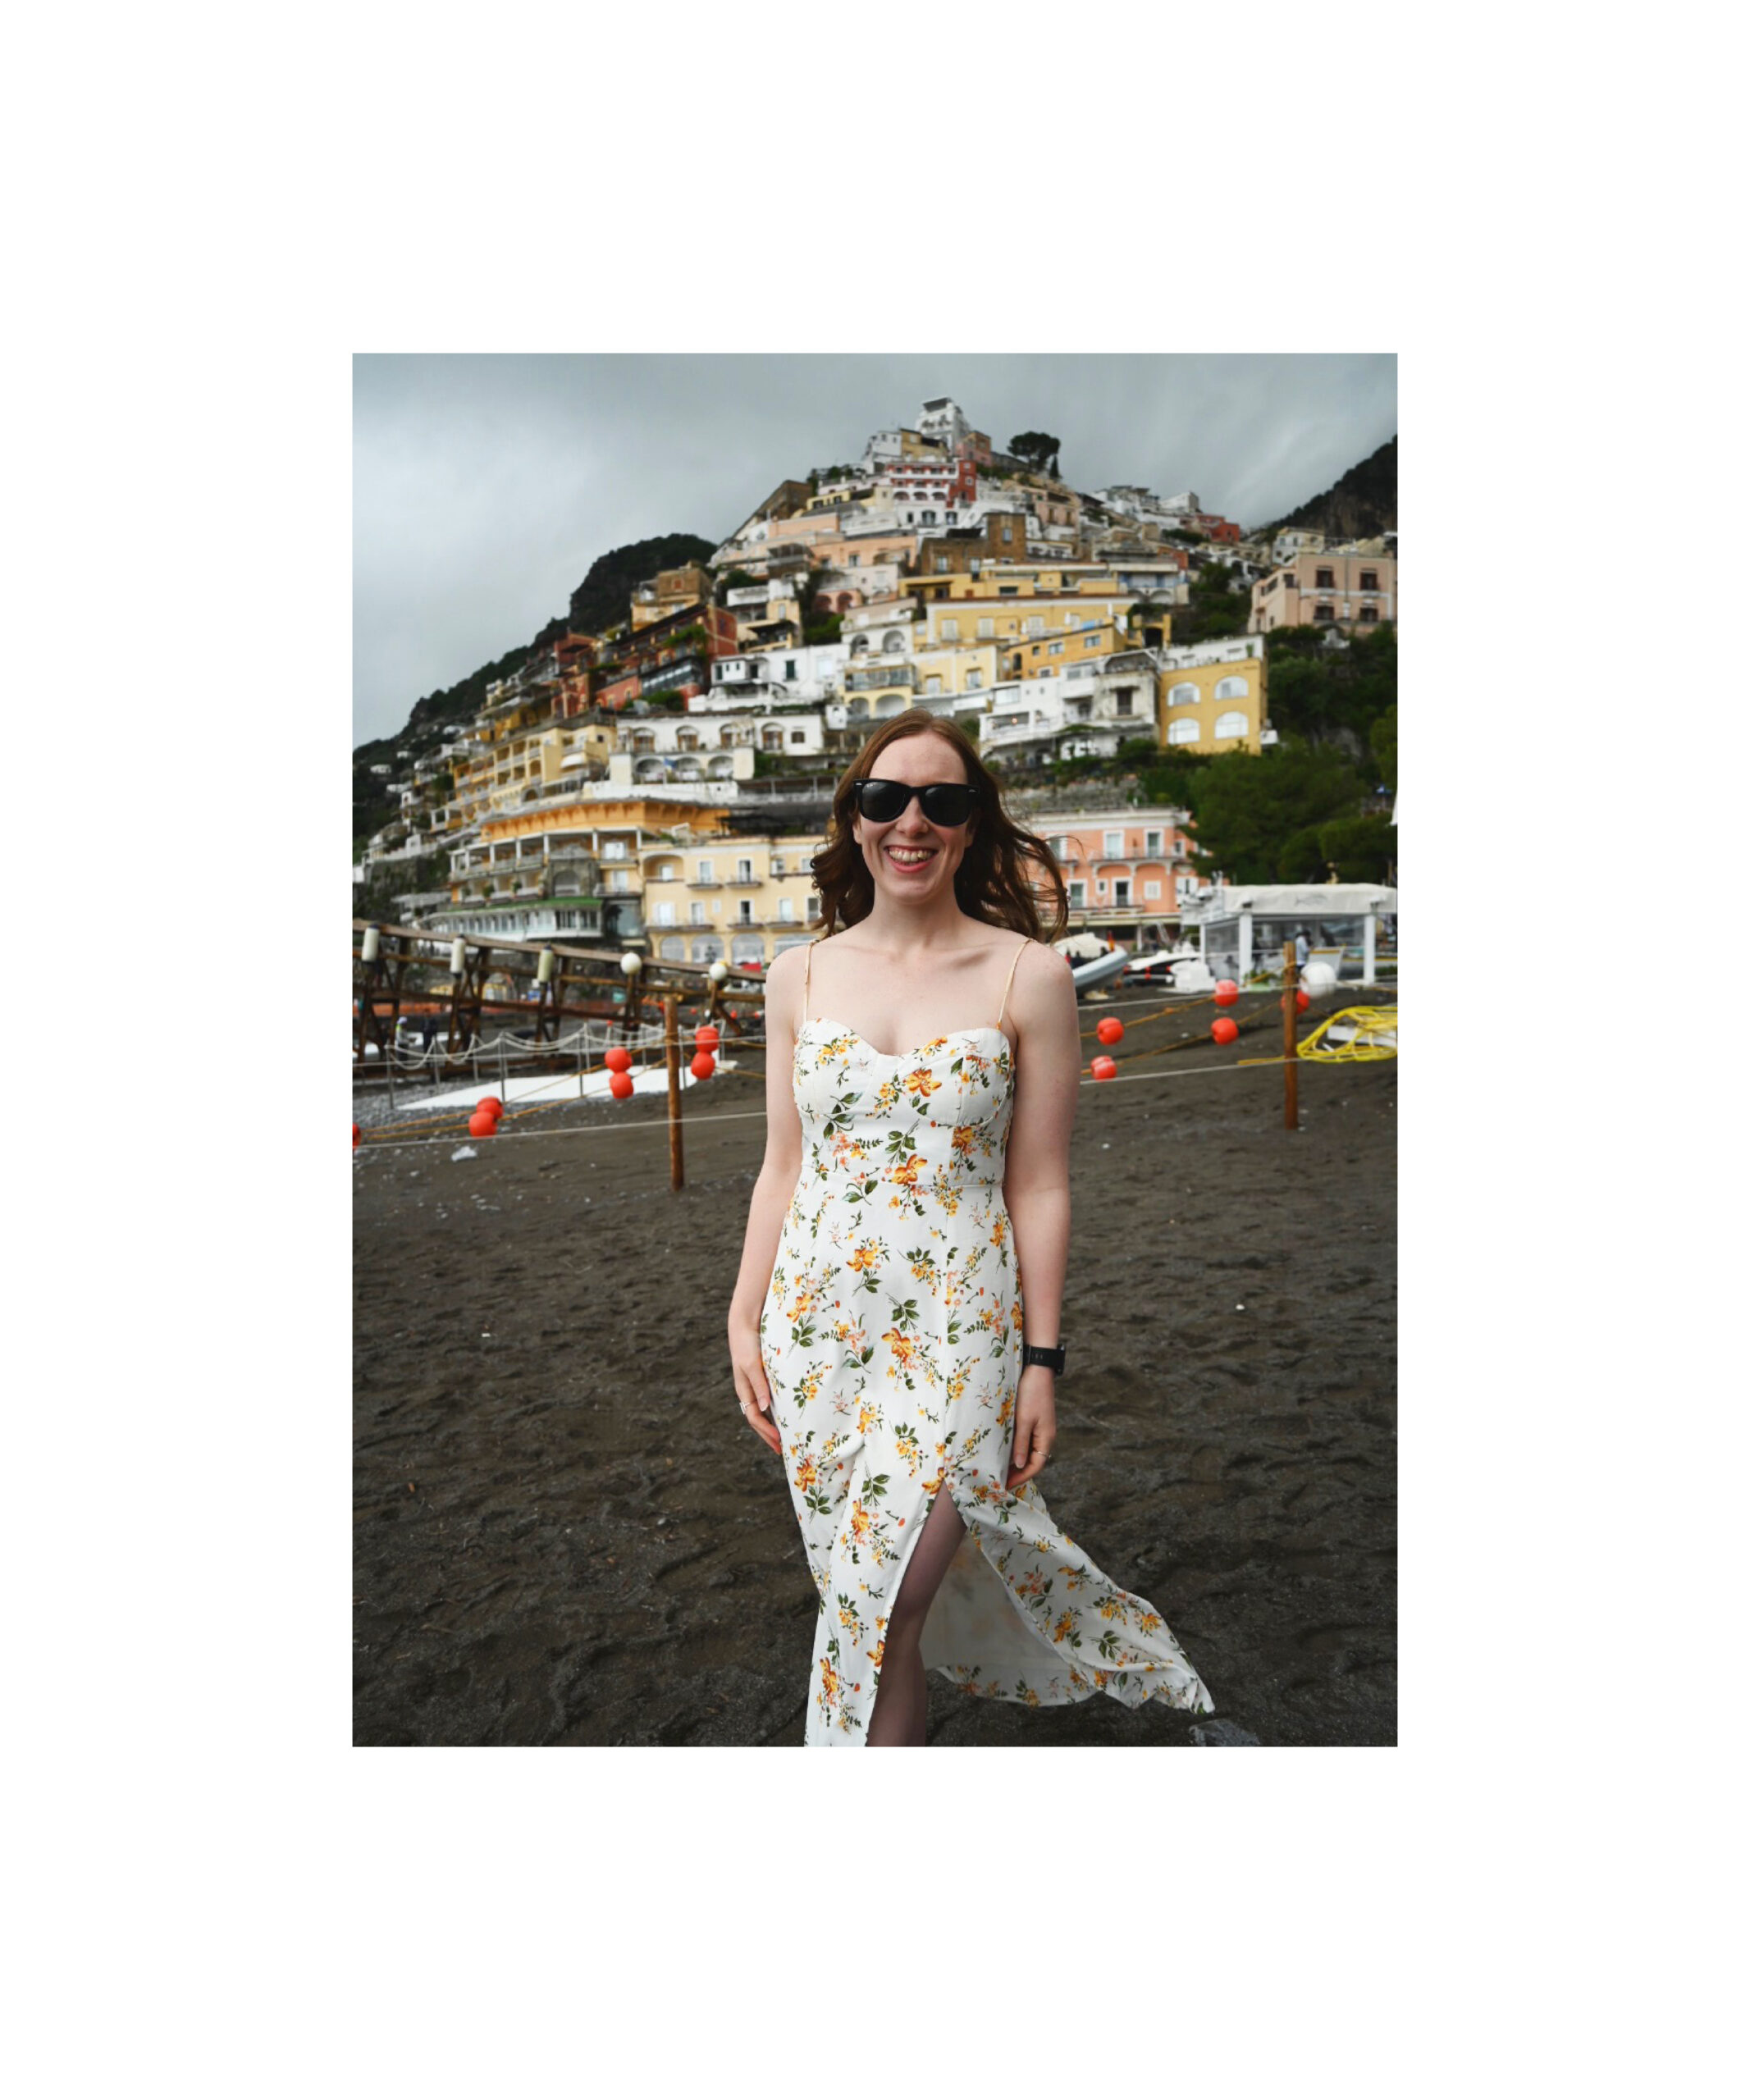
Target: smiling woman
column 912, row 1426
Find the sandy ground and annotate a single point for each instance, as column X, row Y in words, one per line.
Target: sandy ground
column 563, row 1534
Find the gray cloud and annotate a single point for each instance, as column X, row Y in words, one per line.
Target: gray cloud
column 483, row 487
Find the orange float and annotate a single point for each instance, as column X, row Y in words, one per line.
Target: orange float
column 706, row 1037
column 491, row 1103
column 1225, row 1030
column 617, row 1060
column 703, row 1065
column 482, row 1123
column 1302, row 1000
column 620, row 1084
column 1104, row 1068
column 1225, row 993
column 355, row 1137
column 1111, row 1029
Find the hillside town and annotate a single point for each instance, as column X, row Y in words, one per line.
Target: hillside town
column 663, row 783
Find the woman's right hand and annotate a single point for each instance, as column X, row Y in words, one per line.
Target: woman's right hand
column 750, row 1388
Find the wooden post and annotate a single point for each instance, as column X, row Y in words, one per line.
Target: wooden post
column 671, row 1047
column 1290, row 1048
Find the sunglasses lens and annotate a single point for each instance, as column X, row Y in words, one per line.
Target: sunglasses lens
column 946, row 803
column 882, row 801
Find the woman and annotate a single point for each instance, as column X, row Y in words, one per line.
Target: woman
column 880, row 1338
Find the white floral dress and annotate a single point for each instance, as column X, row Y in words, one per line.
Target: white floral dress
column 891, row 1336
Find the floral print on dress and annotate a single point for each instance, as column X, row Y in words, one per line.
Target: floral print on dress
column 891, row 1336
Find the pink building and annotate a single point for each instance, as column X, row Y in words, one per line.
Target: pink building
column 1352, row 591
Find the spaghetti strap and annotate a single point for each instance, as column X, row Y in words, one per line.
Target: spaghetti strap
column 807, row 969
column 1013, row 966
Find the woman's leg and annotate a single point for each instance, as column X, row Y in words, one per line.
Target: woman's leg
column 902, row 1697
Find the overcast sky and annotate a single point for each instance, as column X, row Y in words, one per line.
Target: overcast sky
column 483, row 487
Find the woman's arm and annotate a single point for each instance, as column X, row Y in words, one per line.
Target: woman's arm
column 1035, row 1183
column 772, row 1193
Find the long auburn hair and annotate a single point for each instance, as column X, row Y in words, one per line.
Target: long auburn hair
column 992, row 882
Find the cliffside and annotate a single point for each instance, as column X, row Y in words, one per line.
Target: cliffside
column 1362, row 504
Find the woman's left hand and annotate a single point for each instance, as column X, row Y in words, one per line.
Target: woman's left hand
column 1035, row 1424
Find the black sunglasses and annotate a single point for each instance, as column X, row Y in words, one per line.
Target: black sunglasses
column 945, row 802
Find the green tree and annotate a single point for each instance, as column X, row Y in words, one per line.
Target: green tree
column 1360, row 849
column 1248, row 810
column 1221, row 604
column 1382, row 741
column 1036, row 448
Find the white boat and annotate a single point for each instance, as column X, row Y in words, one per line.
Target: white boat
column 1091, row 961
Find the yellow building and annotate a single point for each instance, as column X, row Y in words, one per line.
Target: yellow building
column 1212, row 695
column 744, row 899
column 1007, row 605
column 1052, row 655
column 673, row 591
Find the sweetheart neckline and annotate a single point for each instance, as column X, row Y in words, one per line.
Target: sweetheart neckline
column 899, row 1056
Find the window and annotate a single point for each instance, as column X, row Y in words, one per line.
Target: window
column 1325, row 580
column 1126, row 698
column 1369, row 615
column 744, row 871
column 1182, row 731
column 786, row 909
column 1152, row 843
column 1115, row 842
column 702, row 872
column 941, row 564
column 798, row 737
column 1035, row 626
column 932, row 684
column 789, row 667
column 974, row 681
column 1370, row 579
column 1323, row 612
column 1151, row 889
column 1008, row 534
column 951, row 630
column 745, row 912
column 1230, row 688
column 986, row 630
column 1121, row 893
column 1231, row 725
column 1078, row 894
column 665, row 914
column 1056, row 649
column 1183, row 695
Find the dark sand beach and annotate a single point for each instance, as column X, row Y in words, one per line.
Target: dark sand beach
column 564, row 1534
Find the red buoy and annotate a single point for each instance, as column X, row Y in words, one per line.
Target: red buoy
column 1104, row 1068
column 489, row 1104
column 1224, row 1030
column 1111, row 1029
column 355, row 1137
column 1302, row 1000
column 706, row 1038
column 617, row 1060
column 703, row 1065
column 1227, row 992
column 482, row 1123
column 620, row 1084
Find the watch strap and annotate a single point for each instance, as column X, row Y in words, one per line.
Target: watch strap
column 1051, row 1358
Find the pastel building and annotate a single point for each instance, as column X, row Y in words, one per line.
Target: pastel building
column 1128, row 873
column 730, row 897
column 1348, row 591
column 1212, row 695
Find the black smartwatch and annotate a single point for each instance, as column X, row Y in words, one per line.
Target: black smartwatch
column 1051, row 1358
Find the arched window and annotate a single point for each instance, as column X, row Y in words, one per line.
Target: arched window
column 747, row 947
column 1182, row 731
column 859, row 645
column 1231, row 725
column 892, row 643
column 1183, row 696
column 1230, row 689
column 673, row 949
column 708, row 950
